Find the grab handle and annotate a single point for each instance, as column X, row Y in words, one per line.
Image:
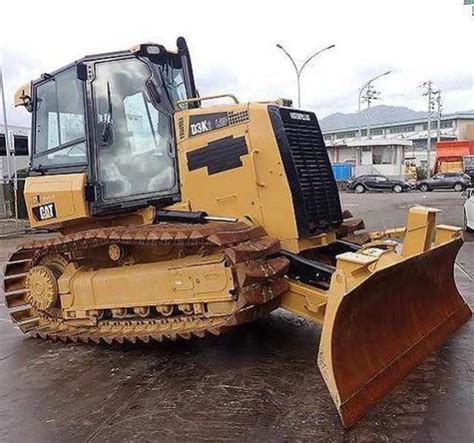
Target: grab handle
column 179, row 103
column 253, row 157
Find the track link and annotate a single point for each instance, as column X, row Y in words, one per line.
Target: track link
column 257, row 271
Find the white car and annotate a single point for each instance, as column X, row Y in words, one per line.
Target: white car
column 469, row 210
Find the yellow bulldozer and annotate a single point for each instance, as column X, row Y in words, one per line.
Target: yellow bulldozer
column 178, row 220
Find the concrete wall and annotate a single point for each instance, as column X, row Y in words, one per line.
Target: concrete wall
column 346, row 155
column 465, row 130
column 420, row 157
column 22, row 162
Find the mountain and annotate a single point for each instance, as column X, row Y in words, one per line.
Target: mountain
column 378, row 115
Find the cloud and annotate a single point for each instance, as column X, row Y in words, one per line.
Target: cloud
column 18, row 68
column 233, row 48
column 216, row 79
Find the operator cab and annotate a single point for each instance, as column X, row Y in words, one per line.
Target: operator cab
column 110, row 115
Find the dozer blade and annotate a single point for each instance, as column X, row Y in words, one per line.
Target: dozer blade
column 376, row 333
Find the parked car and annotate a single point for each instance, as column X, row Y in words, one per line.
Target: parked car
column 376, row 183
column 469, row 210
column 446, row 180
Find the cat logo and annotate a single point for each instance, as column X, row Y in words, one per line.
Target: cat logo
column 44, row 212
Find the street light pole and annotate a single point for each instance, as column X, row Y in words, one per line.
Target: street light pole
column 428, row 134
column 365, row 86
column 299, row 70
column 370, row 94
column 358, row 114
column 5, row 122
column 439, row 110
column 369, row 101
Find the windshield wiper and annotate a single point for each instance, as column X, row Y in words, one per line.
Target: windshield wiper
column 108, row 120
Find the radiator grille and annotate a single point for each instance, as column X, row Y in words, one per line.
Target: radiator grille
column 181, row 128
column 315, row 184
column 238, row 117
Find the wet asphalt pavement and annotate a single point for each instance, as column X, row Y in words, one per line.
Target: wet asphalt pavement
column 258, row 382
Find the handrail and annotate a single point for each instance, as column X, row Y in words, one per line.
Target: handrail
column 253, row 156
column 209, row 97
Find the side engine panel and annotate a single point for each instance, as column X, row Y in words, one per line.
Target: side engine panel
column 54, row 199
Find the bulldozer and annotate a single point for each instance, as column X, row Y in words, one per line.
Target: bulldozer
column 177, row 219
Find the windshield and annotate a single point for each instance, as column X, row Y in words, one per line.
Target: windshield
column 59, row 133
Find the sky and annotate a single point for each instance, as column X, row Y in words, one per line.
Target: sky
column 233, row 46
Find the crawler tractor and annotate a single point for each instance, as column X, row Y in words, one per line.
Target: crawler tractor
column 178, row 220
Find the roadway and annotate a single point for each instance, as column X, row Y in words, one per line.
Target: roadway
column 257, row 382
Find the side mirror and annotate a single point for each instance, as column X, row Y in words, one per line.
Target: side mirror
column 23, row 97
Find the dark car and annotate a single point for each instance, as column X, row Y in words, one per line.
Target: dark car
column 376, row 183
column 445, row 180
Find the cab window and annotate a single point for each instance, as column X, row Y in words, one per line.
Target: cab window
column 177, row 86
column 59, row 133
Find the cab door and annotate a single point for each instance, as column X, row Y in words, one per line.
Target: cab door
column 135, row 162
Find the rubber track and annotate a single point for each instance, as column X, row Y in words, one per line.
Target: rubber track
column 260, row 279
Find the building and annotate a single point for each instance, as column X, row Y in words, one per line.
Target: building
column 381, row 156
column 22, row 149
column 457, row 126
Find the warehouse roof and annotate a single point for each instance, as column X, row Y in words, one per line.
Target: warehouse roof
column 466, row 115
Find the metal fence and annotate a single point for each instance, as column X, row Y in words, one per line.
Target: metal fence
column 13, row 217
